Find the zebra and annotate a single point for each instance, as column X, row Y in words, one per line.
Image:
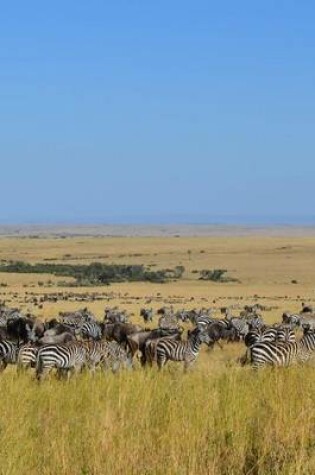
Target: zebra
column 278, row 354
column 146, row 314
column 8, row 353
column 252, row 337
column 255, row 321
column 285, row 334
column 116, row 357
column 307, row 323
column 115, row 316
column 78, row 318
column 168, row 321
column 204, row 319
column 107, row 354
column 308, row 339
column 240, row 324
column 164, row 349
column 90, row 330
column 64, row 358
column 27, row 357
column 269, row 334
column 292, row 320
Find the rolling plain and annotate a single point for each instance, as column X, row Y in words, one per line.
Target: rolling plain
column 219, row 418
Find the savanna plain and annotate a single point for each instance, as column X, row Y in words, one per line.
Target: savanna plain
column 218, row 418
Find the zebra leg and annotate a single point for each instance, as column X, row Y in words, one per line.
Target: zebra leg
column 243, row 360
column 188, row 365
column 21, row 368
column 3, row 365
column 142, row 358
column 161, row 361
column 148, row 355
column 60, row 373
column 92, row 368
column 129, row 362
column 77, row 369
column 219, row 344
column 41, row 373
column 115, row 367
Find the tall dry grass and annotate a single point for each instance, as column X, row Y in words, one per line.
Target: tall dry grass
column 216, row 419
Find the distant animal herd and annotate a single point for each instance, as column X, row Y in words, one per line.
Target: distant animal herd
column 77, row 340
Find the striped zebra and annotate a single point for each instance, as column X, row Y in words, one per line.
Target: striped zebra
column 63, row 358
column 285, row 334
column 27, row 355
column 8, row 353
column 252, row 337
column 291, row 319
column 308, row 340
column 281, row 354
column 90, row 331
column 106, row 354
column 241, row 325
column 204, row 320
column 168, row 321
column 269, row 334
column 116, row 357
column 77, row 319
column 163, row 349
column 255, row 321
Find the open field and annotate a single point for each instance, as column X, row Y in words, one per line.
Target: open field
column 217, row 419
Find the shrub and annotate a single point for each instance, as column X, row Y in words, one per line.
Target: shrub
column 216, row 275
column 96, row 273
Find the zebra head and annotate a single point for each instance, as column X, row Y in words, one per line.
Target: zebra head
column 201, row 333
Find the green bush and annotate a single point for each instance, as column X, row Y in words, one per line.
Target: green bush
column 216, row 275
column 96, row 273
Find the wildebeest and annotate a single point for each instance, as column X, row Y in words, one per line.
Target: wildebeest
column 137, row 341
column 162, row 350
column 61, row 338
column 146, row 314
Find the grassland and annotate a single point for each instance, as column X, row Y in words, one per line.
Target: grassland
column 217, row 419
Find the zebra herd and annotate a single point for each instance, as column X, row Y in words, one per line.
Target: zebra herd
column 76, row 340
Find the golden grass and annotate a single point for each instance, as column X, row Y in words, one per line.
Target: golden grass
column 207, row 421
column 217, row 419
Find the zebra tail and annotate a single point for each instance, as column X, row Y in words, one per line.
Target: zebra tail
column 245, row 358
column 39, row 366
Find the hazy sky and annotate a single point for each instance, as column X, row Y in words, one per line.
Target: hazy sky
column 115, row 110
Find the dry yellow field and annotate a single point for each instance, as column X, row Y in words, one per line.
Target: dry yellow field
column 264, row 265
column 217, row 419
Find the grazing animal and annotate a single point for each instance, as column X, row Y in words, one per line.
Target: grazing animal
column 285, row 334
column 278, row 354
column 168, row 321
column 27, row 355
column 120, row 331
column 308, row 339
column 137, row 341
column 241, row 326
column 8, row 353
column 63, row 338
column 76, row 319
column 146, row 314
column 165, row 349
column 90, row 331
column 19, row 329
column 292, row 320
column 64, row 358
column 106, row 354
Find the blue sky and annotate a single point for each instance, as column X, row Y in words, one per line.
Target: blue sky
column 159, row 111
